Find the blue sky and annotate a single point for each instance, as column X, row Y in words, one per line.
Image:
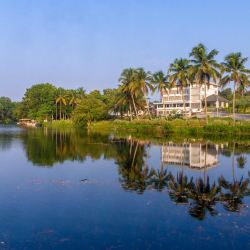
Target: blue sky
column 87, row 43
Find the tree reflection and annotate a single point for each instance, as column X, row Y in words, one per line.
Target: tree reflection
column 241, row 160
column 232, row 193
column 204, row 197
column 199, row 195
column 179, row 188
column 133, row 171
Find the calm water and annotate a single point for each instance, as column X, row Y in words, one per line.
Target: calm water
column 69, row 190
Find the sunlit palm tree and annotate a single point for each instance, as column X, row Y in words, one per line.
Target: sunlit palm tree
column 180, row 76
column 160, row 82
column 234, row 67
column 204, row 68
column 128, row 89
column 62, row 100
column 142, row 84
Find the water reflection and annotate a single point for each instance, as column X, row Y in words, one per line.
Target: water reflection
column 136, row 173
column 193, row 155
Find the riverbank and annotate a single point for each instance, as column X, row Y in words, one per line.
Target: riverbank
column 164, row 128
column 161, row 127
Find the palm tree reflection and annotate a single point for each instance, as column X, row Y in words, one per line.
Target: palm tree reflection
column 204, row 197
column 232, row 193
column 179, row 188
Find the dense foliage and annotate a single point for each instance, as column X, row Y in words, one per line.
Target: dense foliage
column 7, row 110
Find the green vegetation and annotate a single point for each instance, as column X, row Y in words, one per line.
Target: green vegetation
column 7, row 110
column 234, row 66
column 184, row 128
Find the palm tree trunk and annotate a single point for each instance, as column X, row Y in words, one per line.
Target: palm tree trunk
column 60, row 110
column 150, row 117
column 235, row 83
column 184, row 103
column 206, row 104
column 135, row 109
column 130, row 111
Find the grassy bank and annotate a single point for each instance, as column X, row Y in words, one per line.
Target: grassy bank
column 177, row 127
column 164, row 128
column 62, row 124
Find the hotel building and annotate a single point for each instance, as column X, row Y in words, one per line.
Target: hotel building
column 193, row 96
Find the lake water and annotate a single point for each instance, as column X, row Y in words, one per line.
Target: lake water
column 70, row 190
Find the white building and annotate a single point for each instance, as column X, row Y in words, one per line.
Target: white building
column 193, row 96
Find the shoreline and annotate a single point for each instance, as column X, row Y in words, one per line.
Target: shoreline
column 165, row 128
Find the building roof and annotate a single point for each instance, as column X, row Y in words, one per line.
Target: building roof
column 214, row 98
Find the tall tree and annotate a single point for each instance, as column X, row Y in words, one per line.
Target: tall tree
column 160, row 83
column 204, row 68
column 62, row 100
column 180, row 76
column 142, row 83
column 236, row 72
column 128, row 89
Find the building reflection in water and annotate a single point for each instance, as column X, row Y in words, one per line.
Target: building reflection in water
column 192, row 155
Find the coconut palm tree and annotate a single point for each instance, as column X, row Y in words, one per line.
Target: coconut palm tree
column 160, row 82
column 180, row 76
column 236, row 72
column 62, row 100
column 128, row 89
column 204, row 69
column 142, row 84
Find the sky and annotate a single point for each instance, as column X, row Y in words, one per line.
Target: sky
column 87, row 43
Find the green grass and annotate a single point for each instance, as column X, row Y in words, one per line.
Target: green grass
column 60, row 124
column 162, row 127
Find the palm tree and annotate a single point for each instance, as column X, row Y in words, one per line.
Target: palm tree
column 127, row 81
column 180, row 76
column 204, row 68
column 142, row 84
column 62, row 100
column 234, row 66
column 160, row 82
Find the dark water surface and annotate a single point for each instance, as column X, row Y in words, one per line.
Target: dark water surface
column 70, row 190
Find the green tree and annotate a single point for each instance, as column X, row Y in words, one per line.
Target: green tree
column 38, row 101
column 160, row 83
column 204, row 68
column 142, row 85
column 227, row 93
column 234, row 67
column 89, row 109
column 6, row 110
column 128, row 89
column 62, row 100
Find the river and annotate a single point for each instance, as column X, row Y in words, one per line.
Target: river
column 73, row 190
